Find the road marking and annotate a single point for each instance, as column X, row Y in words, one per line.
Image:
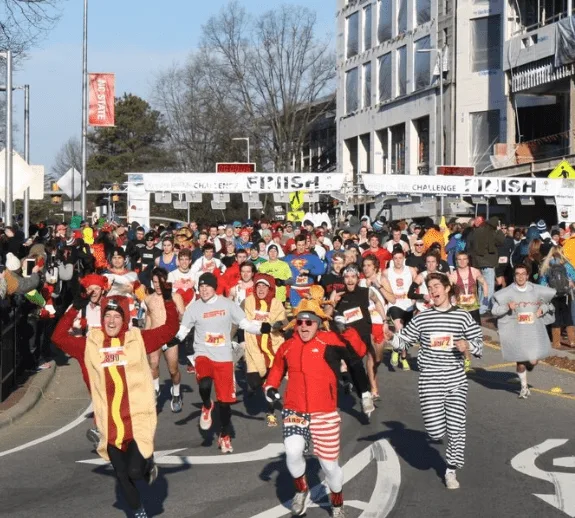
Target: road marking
column 271, row 451
column 384, row 493
column 500, row 366
column 564, row 497
column 64, row 429
column 564, row 462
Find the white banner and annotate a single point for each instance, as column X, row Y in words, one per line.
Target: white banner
column 241, row 182
column 466, row 186
column 138, row 204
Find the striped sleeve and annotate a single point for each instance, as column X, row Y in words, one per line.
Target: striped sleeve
column 407, row 337
column 474, row 336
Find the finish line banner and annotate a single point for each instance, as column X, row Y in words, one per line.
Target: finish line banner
column 242, row 182
column 465, row 186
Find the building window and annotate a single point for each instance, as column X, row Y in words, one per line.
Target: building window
column 402, row 70
column 422, row 11
column 401, row 16
column 351, row 92
column 352, row 46
column 421, row 60
column 384, row 64
column 384, row 21
column 486, row 43
column 484, row 135
column 367, row 28
column 422, row 130
column 366, row 85
column 398, row 149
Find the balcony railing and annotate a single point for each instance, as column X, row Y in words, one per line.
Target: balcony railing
column 539, row 73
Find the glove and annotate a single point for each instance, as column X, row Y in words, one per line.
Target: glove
column 272, row 395
column 339, row 324
column 166, row 288
column 266, row 328
column 80, row 302
column 279, row 282
column 277, row 326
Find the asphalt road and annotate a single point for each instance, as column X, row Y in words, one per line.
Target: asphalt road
column 391, row 467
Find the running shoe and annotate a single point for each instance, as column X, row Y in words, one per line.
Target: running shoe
column 394, row 359
column 206, row 417
column 299, row 503
column 348, row 387
column 176, row 403
column 225, row 444
column 157, row 394
column 152, row 474
column 94, row 435
column 190, row 369
column 405, row 365
column 140, row 513
column 375, row 396
column 524, row 393
column 338, row 512
column 451, row 481
column 271, row 420
column 367, row 404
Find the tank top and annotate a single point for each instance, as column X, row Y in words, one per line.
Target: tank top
column 171, row 266
column 467, row 292
column 242, row 294
column 400, row 283
column 354, row 306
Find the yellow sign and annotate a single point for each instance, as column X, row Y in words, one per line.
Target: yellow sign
column 296, row 200
column 563, row 170
column 296, row 215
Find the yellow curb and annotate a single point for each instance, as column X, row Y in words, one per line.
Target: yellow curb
column 558, row 368
column 557, row 390
column 492, row 346
column 500, row 366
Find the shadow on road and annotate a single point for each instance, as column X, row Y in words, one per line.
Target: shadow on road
column 496, row 380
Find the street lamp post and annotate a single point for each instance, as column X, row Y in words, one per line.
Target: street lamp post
column 27, row 156
column 8, row 173
column 247, row 139
column 84, row 112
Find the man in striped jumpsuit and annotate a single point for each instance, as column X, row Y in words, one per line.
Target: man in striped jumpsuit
column 444, row 333
column 312, row 358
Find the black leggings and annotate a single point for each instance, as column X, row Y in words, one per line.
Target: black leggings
column 129, row 465
column 205, row 386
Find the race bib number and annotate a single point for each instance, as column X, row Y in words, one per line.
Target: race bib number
column 261, row 316
column 503, row 260
column 467, row 299
column 302, row 279
column 352, row 315
column 525, row 317
column 215, row 339
column 443, row 341
column 296, row 420
column 112, row 357
column 399, row 282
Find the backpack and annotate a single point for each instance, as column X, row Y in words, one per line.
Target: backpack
column 558, row 279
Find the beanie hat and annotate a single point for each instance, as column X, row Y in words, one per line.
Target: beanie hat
column 275, row 247
column 541, row 226
column 208, row 279
column 377, row 226
column 12, row 262
column 113, row 305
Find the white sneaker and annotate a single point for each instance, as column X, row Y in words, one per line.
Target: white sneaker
column 206, row 417
column 299, row 503
column 451, row 481
column 367, row 404
column 524, row 393
column 338, row 512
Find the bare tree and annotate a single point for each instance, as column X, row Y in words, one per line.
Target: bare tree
column 70, row 155
column 274, row 68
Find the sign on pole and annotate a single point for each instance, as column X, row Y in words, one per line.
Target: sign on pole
column 563, row 170
column 71, row 177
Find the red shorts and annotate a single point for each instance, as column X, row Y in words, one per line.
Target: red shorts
column 377, row 333
column 223, row 375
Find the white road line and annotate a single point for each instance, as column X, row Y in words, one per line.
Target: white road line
column 64, row 429
column 385, row 491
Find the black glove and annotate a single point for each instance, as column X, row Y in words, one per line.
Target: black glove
column 80, row 302
column 279, row 282
column 272, row 395
column 266, row 328
column 166, row 288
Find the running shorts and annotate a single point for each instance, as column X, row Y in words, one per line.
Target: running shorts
column 377, row 333
column 223, row 375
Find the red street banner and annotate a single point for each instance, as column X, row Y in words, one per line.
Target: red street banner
column 102, row 97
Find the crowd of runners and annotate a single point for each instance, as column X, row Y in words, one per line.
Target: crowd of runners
column 312, row 304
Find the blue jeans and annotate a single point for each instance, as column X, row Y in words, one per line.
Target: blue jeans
column 489, row 275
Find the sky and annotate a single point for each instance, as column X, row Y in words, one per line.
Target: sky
column 135, row 39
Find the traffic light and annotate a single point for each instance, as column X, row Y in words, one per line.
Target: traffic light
column 115, row 197
column 57, row 196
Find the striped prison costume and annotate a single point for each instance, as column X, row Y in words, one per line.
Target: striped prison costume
column 442, row 380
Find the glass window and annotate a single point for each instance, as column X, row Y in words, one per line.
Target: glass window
column 351, row 92
column 484, row 134
column 421, row 63
column 352, row 35
column 384, row 21
column 384, row 64
column 422, row 11
column 401, row 16
column 422, row 130
column 402, row 70
column 366, row 85
column 367, row 27
column 398, row 149
column 486, row 43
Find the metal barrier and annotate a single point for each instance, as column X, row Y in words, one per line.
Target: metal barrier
column 8, row 362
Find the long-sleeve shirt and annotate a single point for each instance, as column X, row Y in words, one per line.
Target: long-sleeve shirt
column 437, row 331
column 307, row 262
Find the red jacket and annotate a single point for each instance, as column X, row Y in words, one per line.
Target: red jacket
column 313, row 369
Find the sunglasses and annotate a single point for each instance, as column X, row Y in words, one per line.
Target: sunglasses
column 307, row 323
column 418, row 244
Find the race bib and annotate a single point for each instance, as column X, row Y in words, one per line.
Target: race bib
column 503, row 260
column 261, row 316
column 112, row 357
column 525, row 317
column 215, row 339
column 302, row 279
column 296, row 420
column 399, row 282
column 352, row 315
column 443, row 341
column 467, row 299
